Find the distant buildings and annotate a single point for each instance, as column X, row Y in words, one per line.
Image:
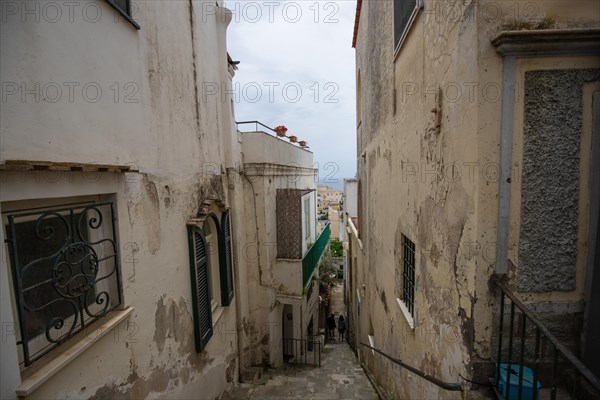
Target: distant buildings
column 329, row 202
column 327, row 197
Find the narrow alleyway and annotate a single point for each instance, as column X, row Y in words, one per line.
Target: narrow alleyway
column 339, row 377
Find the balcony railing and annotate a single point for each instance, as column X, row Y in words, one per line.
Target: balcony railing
column 313, row 255
column 561, row 367
column 256, row 126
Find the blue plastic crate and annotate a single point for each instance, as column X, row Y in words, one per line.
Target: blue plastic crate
column 513, row 384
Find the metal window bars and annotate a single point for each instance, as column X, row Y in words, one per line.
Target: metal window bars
column 65, row 271
column 408, row 275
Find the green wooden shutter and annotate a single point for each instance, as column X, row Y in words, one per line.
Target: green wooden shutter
column 226, row 261
column 200, row 288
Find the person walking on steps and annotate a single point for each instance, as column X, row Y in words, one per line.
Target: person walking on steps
column 341, row 327
column 331, row 327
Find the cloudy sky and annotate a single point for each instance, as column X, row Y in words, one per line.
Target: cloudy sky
column 297, row 69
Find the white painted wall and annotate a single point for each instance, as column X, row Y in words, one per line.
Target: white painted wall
column 159, row 124
column 261, row 147
column 350, row 205
column 351, row 197
column 270, row 164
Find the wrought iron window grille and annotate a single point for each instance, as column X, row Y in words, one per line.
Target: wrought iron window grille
column 65, row 272
column 408, row 275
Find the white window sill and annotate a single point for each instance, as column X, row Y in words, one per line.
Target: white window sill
column 409, row 318
column 372, row 343
column 37, row 375
column 216, row 314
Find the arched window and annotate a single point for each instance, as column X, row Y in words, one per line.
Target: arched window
column 211, row 268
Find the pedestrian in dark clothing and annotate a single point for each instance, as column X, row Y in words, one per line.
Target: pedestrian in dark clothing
column 331, row 326
column 341, row 327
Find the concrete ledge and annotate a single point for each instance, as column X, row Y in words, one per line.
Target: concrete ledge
column 547, row 42
column 271, row 169
column 37, row 375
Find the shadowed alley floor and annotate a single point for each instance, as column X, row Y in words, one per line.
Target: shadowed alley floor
column 339, row 377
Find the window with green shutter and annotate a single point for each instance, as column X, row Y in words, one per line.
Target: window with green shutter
column 226, row 261
column 201, row 299
column 211, row 267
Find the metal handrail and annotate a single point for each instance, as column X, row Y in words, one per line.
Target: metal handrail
column 456, row 387
column 256, row 123
column 540, row 328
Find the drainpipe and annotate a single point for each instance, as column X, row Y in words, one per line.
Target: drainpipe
column 506, row 137
column 238, row 278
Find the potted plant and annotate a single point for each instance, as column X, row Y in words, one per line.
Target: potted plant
column 302, row 143
column 280, row 130
column 293, row 139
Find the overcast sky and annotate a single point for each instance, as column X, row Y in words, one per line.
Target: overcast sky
column 297, row 69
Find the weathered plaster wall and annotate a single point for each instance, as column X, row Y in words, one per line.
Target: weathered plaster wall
column 356, row 274
column 428, row 162
column 552, row 64
column 551, row 178
column 261, row 147
column 261, row 311
column 175, row 137
column 561, row 310
column 350, row 207
column 412, row 149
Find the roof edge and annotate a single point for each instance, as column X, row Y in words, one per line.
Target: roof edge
column 356, row 21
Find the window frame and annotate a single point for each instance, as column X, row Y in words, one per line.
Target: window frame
column 125, row 13
column 214, row 272
column 202, row 331
column 102, row 227
column 307, row 224
column 408, row 274
column 214, row 279
column 226, row 260
column 398, row 42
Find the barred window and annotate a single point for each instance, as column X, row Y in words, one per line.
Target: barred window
column 65, row 272
column 408, row 275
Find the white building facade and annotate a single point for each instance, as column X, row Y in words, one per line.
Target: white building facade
column 127, row 209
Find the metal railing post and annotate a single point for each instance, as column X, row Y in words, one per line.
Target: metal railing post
column 559, row 350
column 521, row 358
column 500, row 339
column 536, row 361
column 510, row 344
column 554, row 374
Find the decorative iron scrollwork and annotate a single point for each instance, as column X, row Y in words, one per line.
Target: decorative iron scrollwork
column 65, row 265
